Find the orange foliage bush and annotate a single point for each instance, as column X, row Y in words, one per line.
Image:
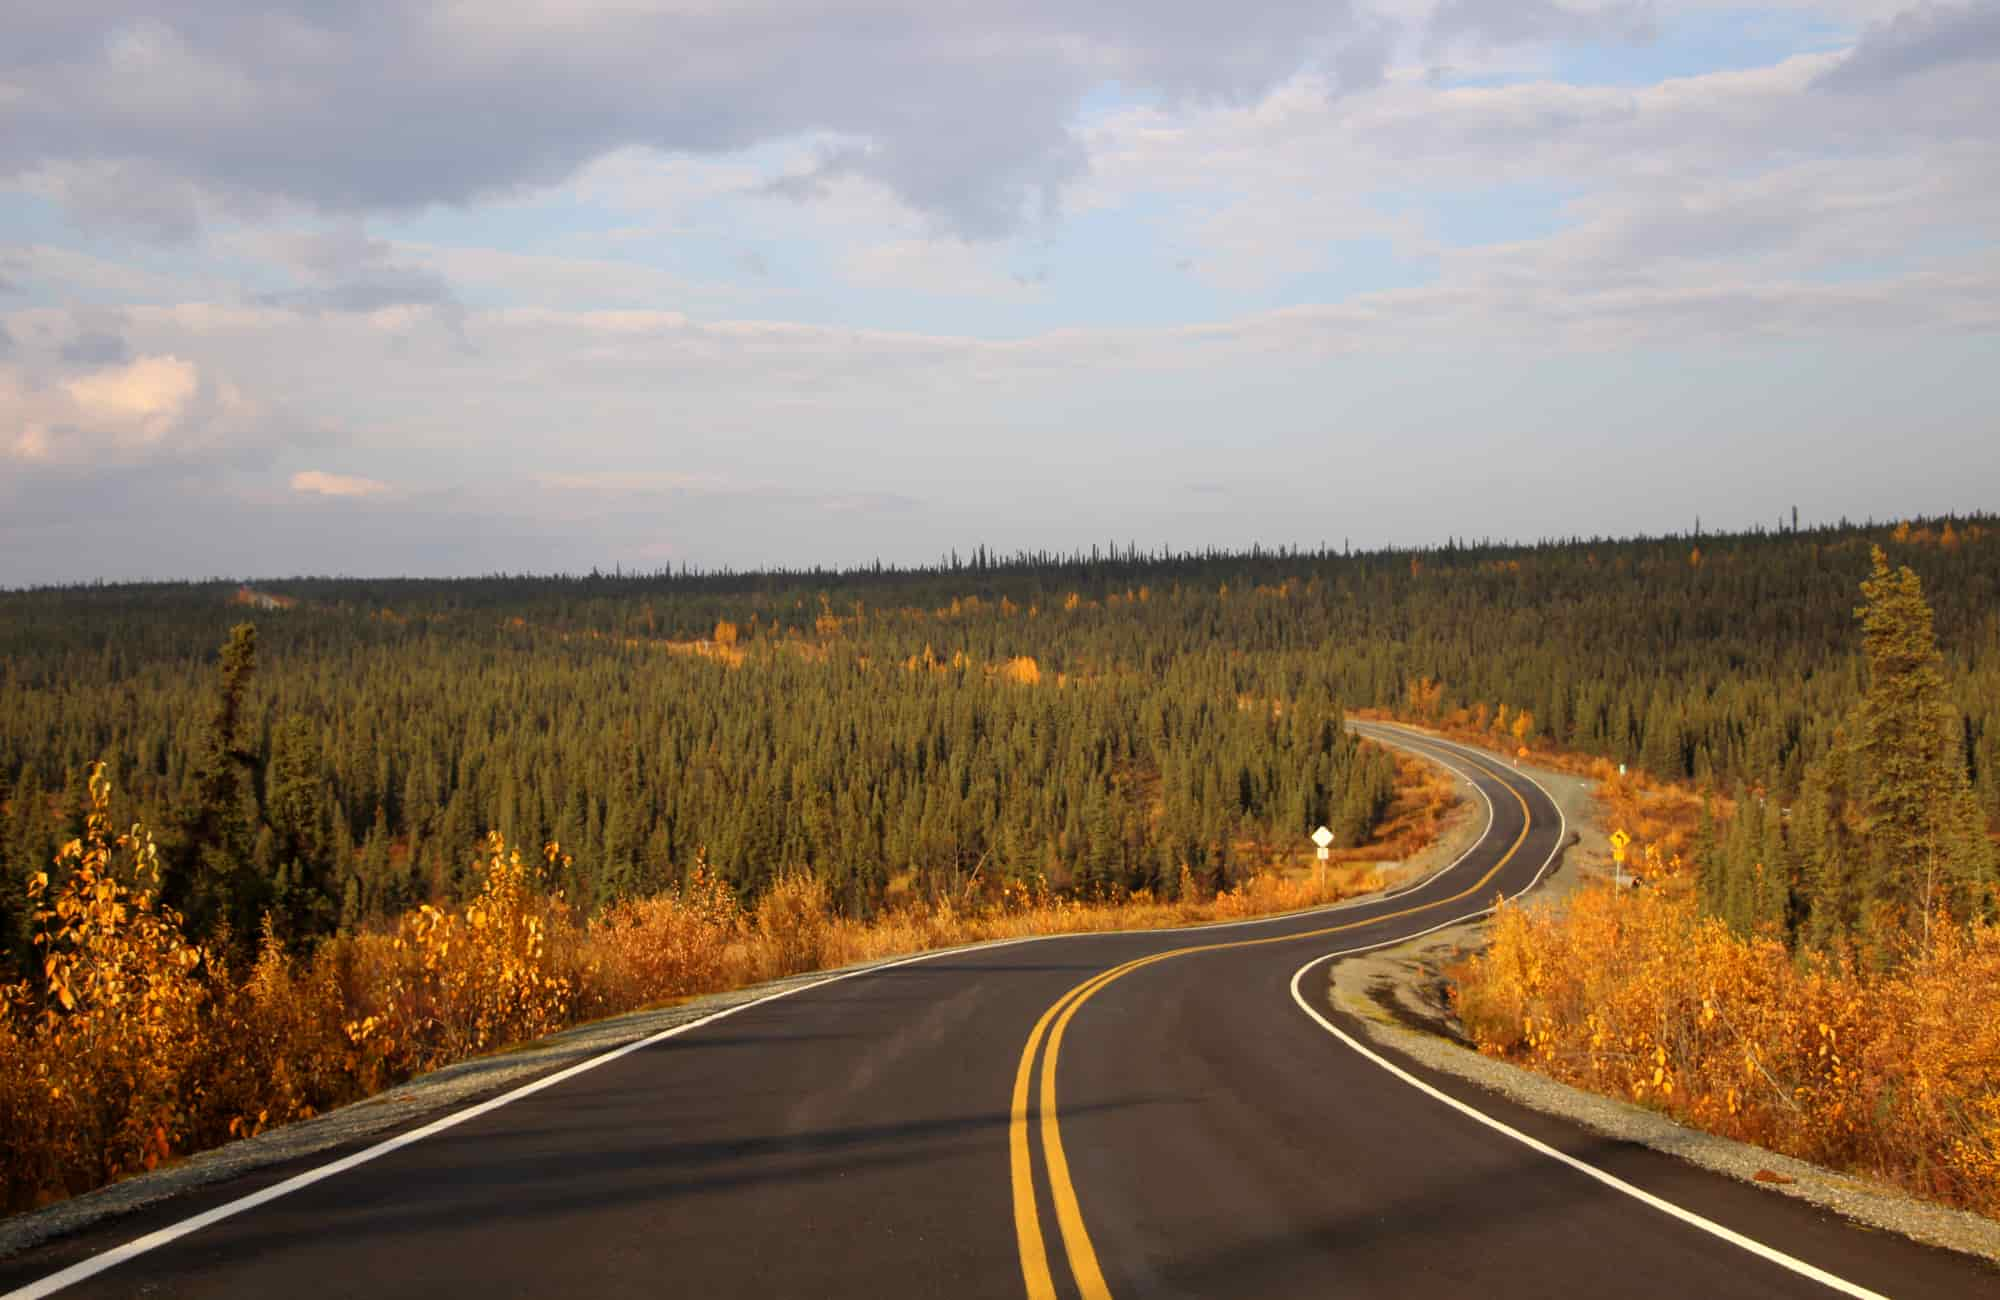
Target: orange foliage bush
column 672, row 945
column 139, row 1046
column 1894, row 1075
column 1663, row 816
column 794, row 925
column 446, row 984
column 1022, row 669
column 93, row 1083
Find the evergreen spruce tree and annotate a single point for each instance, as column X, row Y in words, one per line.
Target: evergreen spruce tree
column 1826, row 859
column 211, row 879
column 1928, row 850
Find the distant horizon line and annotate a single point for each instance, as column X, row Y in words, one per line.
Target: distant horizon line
column 981, row 558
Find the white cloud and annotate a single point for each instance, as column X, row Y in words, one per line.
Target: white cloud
column 964, row 113
column 87, row 391
column 313, row 482
column 147, row 396
column 150, row 408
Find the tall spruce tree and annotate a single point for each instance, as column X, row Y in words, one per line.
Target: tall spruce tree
column 1929, row 853
column 213, row 880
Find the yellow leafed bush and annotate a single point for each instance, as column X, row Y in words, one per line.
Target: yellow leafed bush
column 499, row 969
column 1896, row 1075
column 97, row 1066
column 684, row 942
column 793, row 924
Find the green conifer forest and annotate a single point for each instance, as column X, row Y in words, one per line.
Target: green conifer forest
column 327, row 751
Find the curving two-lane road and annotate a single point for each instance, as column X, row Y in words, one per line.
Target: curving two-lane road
column 1166, row 1113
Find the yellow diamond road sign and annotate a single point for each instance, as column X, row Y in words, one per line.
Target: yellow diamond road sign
column 1619, row 839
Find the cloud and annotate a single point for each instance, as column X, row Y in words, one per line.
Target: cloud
column 150, row 122
column 110, row 195
column 634, row 483
column 1918, row 40
column 313, row 482
column 97, row 348
column 1519, row 22
column 615, row 364
column 147, row 395
column 153, row 409
column 347, row 271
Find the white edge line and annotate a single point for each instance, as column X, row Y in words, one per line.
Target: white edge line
column 151, row 1241
column 1617, row 1184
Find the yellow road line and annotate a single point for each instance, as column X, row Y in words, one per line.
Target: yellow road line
column 1069, row 1213
column 1027, row 1220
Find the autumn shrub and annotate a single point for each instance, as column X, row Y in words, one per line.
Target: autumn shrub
column 674, row 944
column 279, row 1047
column 1892, row 1074
column 97, row 1061
column 506, row 966
column 793, row 924
column 1664, row 815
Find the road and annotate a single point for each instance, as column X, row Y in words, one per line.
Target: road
column 1168, row 1113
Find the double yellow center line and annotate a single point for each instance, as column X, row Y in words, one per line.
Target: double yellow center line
column 1083, row 1266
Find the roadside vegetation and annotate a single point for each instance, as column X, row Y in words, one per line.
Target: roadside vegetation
column 1816, row 972
column 138, row 1044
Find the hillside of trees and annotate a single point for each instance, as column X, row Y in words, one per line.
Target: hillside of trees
column 330, row 751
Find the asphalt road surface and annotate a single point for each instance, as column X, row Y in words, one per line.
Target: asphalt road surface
column 1168, row 1113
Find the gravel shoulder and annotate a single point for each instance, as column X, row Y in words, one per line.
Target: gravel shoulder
column 1398, row 995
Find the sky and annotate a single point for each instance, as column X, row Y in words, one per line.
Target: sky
column 441, row 287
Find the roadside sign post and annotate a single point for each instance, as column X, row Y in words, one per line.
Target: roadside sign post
column 1619, row 841
column 1323, row 839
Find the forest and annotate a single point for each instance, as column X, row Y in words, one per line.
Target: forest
column 328, row 752
column 269, row 847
